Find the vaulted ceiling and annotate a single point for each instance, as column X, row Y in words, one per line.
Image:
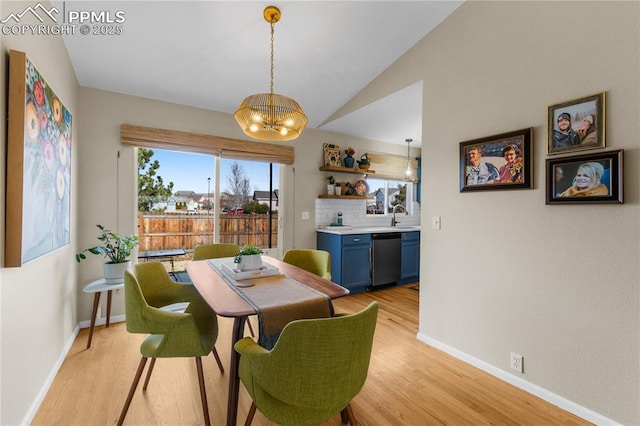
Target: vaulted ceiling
column 212, row 54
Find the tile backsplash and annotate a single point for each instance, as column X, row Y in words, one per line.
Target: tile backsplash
column 354, row 213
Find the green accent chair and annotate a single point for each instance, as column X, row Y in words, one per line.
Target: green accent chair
column 313, row 372
column 315, row 261
column 192, row 333
column 215, row 251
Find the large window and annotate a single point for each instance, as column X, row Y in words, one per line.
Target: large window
column 186, row 199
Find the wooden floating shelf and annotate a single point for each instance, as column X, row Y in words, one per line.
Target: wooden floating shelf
column 346, row 170
column 347, row 197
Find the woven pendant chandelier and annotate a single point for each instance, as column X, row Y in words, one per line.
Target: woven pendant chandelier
column 269, row 116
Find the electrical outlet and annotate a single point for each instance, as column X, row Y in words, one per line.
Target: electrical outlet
column 516, row 362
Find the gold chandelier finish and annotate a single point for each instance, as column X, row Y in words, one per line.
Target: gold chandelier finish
column 270, row 116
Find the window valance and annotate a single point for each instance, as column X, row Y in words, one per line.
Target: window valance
column 237, row 149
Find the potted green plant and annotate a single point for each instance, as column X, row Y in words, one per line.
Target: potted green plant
column 115, row 248
column 331, row 185
column 249, row 258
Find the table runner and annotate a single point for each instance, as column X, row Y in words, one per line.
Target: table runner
column 278, row 300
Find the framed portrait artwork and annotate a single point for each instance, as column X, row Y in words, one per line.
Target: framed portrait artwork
column 591, row 178
column 576, row 125
column 497, row 162
column 38, row 165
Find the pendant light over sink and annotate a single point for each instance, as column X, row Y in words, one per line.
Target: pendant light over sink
column 269, row 116
column 409, row 176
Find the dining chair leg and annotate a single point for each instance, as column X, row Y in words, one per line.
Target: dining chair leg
column 344, row 417
column 149, row 371
column 217, row 357
column 134, row 385
column 252, row 412
column 203, row 391
column 250, row 328
column 351, row 418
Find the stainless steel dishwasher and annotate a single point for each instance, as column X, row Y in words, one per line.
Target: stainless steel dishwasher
column 385, row 262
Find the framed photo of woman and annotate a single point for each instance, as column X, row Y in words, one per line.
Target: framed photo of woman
column 576, row 125
column 591, row 178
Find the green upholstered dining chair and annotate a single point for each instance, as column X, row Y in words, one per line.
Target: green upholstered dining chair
column 315, row 369
column 192, row 333
column 214, row 251
column 314, row 261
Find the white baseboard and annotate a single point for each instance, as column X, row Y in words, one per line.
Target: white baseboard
column 103, row 321
column 33, row 409
column 518, row 382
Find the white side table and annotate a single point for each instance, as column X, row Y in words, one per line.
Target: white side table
column 97, row 287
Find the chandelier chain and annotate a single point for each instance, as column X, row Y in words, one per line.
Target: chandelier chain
column 272, row 32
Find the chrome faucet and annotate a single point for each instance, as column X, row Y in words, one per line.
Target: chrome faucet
column 394, row 222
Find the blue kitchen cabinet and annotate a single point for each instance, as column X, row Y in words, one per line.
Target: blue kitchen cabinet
column 410, row 263
column 350, row 259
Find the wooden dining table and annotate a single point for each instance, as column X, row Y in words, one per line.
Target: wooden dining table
column 226, row 302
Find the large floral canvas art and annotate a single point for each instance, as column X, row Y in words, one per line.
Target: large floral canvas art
column 39, row 165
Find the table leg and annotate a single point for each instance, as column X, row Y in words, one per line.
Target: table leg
column 109, row 306
column 234, row 379
column 96, row 301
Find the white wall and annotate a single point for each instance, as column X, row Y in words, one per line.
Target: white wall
column 38, row 301
column 557, row 284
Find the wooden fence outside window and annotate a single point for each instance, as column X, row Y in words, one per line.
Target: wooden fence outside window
column 171, row 231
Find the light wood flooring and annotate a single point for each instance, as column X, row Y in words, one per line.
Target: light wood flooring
column 409, row 382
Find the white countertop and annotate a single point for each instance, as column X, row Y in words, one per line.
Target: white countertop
column 346, row 230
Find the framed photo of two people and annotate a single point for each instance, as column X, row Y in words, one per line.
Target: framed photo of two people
column 497, row 162
column 576, row 125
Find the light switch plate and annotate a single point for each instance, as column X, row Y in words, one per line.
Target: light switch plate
column 435, row 222
column 305, row 215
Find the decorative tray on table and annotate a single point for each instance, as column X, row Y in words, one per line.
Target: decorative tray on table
column 232, row 270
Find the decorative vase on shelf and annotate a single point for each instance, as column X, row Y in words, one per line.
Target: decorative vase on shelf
column 349, row 161
column 364, row 163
